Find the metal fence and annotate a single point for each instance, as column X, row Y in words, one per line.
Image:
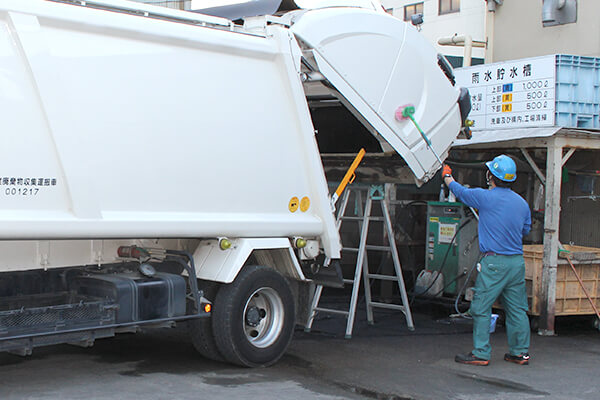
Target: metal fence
column 580, row 211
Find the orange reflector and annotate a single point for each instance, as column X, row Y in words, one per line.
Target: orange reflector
column 207, row 308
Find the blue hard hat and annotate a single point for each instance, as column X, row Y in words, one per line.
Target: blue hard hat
column 503, row 167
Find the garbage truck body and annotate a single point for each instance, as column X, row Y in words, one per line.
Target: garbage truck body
column 159, row 165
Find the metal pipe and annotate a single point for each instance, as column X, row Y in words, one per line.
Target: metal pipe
column 593, row 197
column 489, row 35
column 459, row 40
column 191, row 270
column 463, row 40
column 468, row 51
column 548, row 11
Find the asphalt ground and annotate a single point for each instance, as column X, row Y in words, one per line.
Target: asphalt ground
column 386, row 361
column 383, row 361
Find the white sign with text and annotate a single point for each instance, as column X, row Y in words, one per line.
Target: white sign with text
column 511, row 94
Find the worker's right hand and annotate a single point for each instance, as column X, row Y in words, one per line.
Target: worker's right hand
column 446, row 171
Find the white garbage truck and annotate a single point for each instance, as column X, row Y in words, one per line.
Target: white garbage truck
column 159, row 165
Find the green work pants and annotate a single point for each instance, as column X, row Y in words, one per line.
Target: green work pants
column 500, row 277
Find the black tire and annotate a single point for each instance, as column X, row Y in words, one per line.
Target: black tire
column 254, row 317
column 201, row 329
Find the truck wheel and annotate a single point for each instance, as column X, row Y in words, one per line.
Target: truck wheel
column 201, row 329
column 254, row 317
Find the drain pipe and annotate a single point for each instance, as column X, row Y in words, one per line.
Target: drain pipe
column 490, row 15
column 463, row 40
column 549, row 9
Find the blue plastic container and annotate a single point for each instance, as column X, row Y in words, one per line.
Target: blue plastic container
column 577, row 91
column 493, row 321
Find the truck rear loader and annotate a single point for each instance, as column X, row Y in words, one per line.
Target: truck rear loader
column 158, row 165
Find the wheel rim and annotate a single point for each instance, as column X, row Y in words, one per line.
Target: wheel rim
column 263, row 317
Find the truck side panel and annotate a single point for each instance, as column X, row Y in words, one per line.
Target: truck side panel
column 122, row 146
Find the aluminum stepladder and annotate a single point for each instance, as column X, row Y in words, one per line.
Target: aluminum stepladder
column 375, row 193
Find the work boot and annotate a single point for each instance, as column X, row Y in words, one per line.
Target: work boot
column 521, row 359
column 470, row 359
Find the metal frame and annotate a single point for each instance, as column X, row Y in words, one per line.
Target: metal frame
column 195, row 295
column 374, row 193
column 156, row 12
column 201, row 314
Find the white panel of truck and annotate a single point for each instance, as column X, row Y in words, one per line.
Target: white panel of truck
column 130, row 126
column 379, row 64
column 122, row 126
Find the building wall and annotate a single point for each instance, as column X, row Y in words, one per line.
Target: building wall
column 469, row 21
column 519, row 33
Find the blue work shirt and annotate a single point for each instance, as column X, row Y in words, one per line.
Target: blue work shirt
column 504, row 217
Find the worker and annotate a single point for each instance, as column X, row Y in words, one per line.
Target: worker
column 504, row 218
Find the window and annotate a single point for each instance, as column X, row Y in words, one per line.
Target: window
column 412, row 9
column 449, row 6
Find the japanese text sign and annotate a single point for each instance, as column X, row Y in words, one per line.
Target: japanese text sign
column 511, row 94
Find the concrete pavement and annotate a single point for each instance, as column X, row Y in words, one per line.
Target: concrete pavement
column 384, row 361
column 391, row 362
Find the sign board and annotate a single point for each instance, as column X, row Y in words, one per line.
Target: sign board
column 511, row 94
column 446, row 233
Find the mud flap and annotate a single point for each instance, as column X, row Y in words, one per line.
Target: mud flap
column 330, row 276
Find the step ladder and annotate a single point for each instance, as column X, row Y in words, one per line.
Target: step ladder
column 376, row 193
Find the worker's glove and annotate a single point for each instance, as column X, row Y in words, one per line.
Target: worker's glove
column 446, row 171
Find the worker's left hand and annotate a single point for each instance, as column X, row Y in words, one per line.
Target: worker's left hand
column 446, row 171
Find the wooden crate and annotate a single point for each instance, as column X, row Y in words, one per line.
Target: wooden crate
column 570, row 298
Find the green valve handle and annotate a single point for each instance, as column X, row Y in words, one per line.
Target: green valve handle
column 407, row 112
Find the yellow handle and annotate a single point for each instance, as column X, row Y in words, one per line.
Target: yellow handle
column 349, row 177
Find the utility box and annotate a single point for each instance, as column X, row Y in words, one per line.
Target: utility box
column 452, row 243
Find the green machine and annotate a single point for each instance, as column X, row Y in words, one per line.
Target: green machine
column 444, row 221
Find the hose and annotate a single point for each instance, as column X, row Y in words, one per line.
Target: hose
column 455, row 278
column 464, row 287
column 443, row 265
